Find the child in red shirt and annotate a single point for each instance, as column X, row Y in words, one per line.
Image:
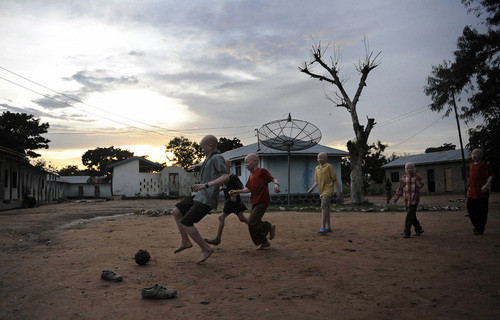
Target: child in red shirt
column 260, row 198
column 480, row 178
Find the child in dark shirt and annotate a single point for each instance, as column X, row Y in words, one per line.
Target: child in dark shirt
column 233, row 204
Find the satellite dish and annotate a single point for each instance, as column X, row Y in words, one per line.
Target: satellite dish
column 288, row 135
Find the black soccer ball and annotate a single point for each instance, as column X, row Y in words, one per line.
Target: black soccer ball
column 142, row 257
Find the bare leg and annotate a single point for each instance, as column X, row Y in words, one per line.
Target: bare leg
column 326, row 218
column 242, row 217
column 216, row 241
column 206, row 250
column 272, row 232
column 185, row 244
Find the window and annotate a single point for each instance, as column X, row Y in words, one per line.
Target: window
column 237, row 168
column 394, row 176
column 14, row 179
column 6, row 182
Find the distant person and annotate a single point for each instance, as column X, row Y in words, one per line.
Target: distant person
column 326, row 179
column 479, row 182
column 409, row 187
column 192, row 209
column 233, row 204
column 388, row 190
column 260, row 198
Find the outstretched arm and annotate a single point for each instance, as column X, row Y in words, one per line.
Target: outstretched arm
column 231, row 192
column 313, row 187
column 220, row 180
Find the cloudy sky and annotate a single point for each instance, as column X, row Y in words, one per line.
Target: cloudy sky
column 135, row 74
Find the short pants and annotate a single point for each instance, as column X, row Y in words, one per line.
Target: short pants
column 233, row 207
column 192, row 211
column 325, row 201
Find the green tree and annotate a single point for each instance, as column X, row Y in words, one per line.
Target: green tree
column 22, row 133
column 186, row 153
column 474, row 73
column 444, row 147
column 358, row 147
column 97, row 160
column 226, row 144
column 72, row 170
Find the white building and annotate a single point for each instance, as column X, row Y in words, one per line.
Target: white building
column 84, row 187
column 138, row 177
column 302, row 166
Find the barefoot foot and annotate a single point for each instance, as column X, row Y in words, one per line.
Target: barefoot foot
column 183, row 247
column 272, row 232
column 213, row 241
column 204, row 255
column 264, row 245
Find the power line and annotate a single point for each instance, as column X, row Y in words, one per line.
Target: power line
column 184, row 131
column 69, row 105
column 441, row 117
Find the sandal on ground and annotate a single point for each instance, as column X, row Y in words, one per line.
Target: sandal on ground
column 212, row 241
column 158, row 292
column 328, row 229
column 110, row 276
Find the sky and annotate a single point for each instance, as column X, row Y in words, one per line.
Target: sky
column 136, row 74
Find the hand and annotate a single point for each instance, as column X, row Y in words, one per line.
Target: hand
column 309, row 191
column 233, row 197
column 485, row 188
column 198, row 187
column 276, row 188
column 231, row 192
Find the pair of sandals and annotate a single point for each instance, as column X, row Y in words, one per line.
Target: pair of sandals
column 324, row 230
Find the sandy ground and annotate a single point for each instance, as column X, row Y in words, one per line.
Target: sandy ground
column 364, row 270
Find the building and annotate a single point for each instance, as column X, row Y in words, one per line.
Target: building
column 84, row 187
column 138, row 177
column 441, row 171
column 19, row 180
column 302, row 167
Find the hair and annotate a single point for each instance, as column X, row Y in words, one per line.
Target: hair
column 409, row 164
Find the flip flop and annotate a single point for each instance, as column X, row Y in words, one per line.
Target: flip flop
column 322, row 231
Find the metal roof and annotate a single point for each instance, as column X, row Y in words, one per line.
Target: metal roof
column 74, row 179
column 142, row 161
column 429, row 158
column 242, row 152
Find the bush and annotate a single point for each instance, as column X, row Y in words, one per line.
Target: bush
column 375, row 189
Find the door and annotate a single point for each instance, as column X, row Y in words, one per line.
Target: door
column 173, row 184
column 80, row 191
column 448, row 180
column 97, row 192
column 431, row 182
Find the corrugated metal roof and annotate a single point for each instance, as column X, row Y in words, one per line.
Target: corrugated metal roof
column 141, row 161
column 75, row 179
column 428, row 158
column 242, row 152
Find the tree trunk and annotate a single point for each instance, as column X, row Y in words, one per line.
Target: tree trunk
column 356, row 154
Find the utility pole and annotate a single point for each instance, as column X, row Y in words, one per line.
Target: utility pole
column 461, row 145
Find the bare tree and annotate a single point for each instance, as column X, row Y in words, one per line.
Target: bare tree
column 359, row 146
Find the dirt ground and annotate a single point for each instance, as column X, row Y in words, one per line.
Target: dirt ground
column 51, row 264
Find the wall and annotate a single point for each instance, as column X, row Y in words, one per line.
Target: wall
column 457, row 184
column 301, row 172
column 126, row 179
column 17, row 177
